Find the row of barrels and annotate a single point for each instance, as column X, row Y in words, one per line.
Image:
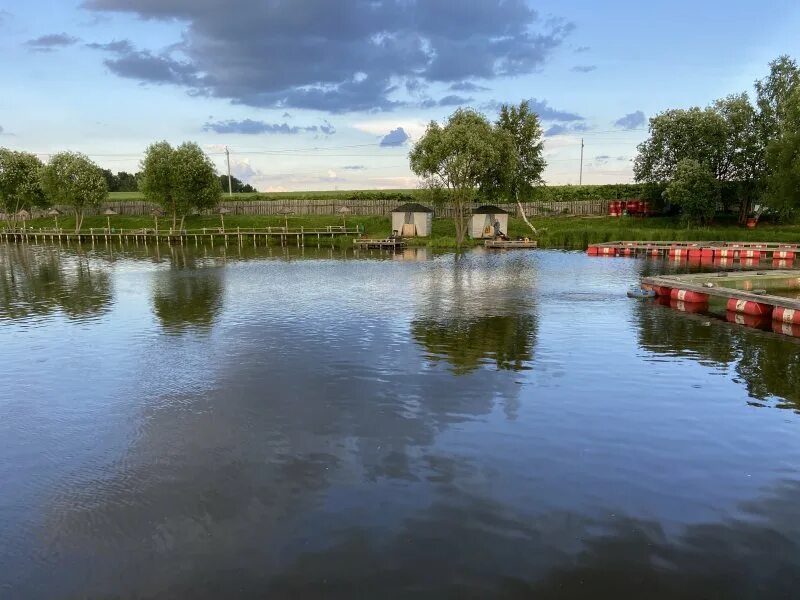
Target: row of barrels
column 639, row 208
column 744, row 312
column 747, row 255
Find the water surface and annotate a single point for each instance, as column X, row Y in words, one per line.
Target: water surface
column 208, row 423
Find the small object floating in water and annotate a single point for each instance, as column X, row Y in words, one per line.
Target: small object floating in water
column 708, row 284
column 638, row 292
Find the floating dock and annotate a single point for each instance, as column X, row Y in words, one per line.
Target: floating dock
column 726, row 251
column 509, row 244
column 208, row 234
column 746, row 296
column 386, row 243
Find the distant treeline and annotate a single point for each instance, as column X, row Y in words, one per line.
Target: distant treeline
column 129, row 182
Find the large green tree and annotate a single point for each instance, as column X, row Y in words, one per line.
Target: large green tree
column 524, row 137
column 459, row 157
column 783, row 160
column 695, row 190
column 20, row 183
column 72, row 179
column 179, row 179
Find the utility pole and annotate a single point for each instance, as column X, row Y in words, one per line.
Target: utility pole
column 580, row 177
column 228, row 156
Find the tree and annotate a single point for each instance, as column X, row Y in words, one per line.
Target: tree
column 237, row 185
column 71, row 178
column 20, row 183
column 695, row 190
column 783, row 160
column 179, row 179
column 520, row 174
column 458, row 157
column 772, row 94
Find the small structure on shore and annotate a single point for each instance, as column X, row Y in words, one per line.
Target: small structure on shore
column 23, row 215
column 412, row 220
column 483, row 222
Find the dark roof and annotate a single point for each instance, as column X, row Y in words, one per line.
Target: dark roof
column 412, row 207
column 488, row 209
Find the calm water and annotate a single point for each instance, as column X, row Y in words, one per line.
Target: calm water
column 211, row 424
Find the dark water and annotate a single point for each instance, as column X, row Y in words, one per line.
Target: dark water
column 200, row 424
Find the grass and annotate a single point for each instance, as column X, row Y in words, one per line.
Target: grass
column 554, row 232
column 311, row 195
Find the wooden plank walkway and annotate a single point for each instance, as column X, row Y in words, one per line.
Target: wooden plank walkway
column 208, row 234
column 509, row 244
column 388, row 243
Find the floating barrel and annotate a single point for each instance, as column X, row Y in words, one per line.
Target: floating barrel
column 786, row 315
column 607, row 251
column 757, row 321
column 592, row 250
column 726, row 253
column 627, row 251
column 688, row 296
column 655, row 252
column 786, row 328
column 707, row 253
column 756, row 254
column 695, row 253
column 688, row 307
column 678, row 252
column 747, row 307
column 663, row 290
column 783, row 255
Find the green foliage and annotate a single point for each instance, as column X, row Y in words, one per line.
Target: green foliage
column 72, row 179
column 179, row 179
column 522, row 145
column 20, row 182
column 459, row 157
column 694, row 189
column 237, row 186
column 783, row 160
column 773, row 93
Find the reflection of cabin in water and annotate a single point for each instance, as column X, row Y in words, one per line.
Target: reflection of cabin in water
column 412, row 220
column 483, row 220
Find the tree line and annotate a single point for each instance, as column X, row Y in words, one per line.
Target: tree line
column 179, row 179
column 735, row 151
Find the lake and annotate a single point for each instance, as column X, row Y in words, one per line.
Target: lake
column 302, row 423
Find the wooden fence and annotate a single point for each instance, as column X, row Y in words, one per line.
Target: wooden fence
column 366, row 207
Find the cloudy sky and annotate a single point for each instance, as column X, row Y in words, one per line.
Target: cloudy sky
column 324, row 94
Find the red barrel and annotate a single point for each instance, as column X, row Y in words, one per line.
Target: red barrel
column 786, row 328
column 607, row 251
column 783, row 255
column 786, row 315
column 695, row 253
column 747, row 307
column 663, row 291
column 592, row 250
column 756, row 254
column 678, row 252
column 688, row 296
column 757, row 321
column 726, row 253
column 707, row 253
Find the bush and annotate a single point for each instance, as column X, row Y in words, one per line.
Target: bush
column 694, row 189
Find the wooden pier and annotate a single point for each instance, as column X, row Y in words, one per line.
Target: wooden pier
column 385, row 243
column 699, row 250
column 510, row 244
column 285, row 236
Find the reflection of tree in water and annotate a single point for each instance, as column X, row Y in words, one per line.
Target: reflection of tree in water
column 467, row 344
column 188, row 295
column 472, row 314
column 768, row 363
column 40, row 280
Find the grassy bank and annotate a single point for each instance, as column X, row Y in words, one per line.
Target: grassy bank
column 570, row 233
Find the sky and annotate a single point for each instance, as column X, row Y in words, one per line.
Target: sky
column 324, row 94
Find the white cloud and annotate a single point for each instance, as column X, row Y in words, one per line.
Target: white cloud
column 414, row 128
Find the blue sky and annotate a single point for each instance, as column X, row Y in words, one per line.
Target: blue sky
column 315, row 94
